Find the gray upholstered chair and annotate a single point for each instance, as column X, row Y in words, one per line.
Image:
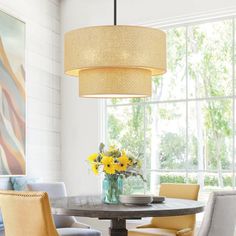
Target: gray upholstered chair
column 1, row 230
column 64, row 224
column 220, row 215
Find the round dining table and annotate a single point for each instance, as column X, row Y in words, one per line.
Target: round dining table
column 93, row 207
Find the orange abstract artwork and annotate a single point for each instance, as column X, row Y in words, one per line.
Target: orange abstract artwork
column 12, row 96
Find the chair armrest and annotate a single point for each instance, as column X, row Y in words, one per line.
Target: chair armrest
column 80, row 225
column 185, row 232
column 145, row 226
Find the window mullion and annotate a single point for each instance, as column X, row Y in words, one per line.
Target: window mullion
column 233, row 82
column 186, row 76
column 145, row 145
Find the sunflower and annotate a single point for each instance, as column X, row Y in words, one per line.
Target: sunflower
column 123, row 162
column 93, row 157
column 95, row 168
column 109, row 165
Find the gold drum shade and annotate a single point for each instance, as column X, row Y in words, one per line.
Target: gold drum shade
column 115, row 82
column 115, row 61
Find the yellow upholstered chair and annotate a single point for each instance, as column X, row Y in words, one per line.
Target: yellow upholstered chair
column 27, row 214
column 174, row 225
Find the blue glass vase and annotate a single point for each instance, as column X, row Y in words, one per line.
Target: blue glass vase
column 112, row 188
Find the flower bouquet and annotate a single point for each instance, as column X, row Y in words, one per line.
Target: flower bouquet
column 116, row 164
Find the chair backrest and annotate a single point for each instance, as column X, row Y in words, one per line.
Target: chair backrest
column 183, row 191
column 26, row 214
column 54, row 190
column 220, row 215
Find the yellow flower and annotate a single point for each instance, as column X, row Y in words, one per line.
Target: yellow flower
column 109, row 165
column 93, row 158
column 123, row 162
column 95, row 168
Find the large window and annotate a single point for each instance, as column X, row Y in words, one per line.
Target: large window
column 185, row 131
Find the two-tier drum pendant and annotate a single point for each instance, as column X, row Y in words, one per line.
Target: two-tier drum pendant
column 115, row 61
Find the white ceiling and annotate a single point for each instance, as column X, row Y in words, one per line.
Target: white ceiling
column 96, row 12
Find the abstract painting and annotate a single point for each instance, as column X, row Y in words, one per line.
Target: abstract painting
column 12, row 96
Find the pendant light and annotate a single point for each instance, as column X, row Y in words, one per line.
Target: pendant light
column 115, row 61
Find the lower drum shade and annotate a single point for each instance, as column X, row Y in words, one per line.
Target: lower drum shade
column 121, row 82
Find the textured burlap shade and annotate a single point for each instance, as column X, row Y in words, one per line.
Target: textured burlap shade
column 115, row 61
column 115, row 82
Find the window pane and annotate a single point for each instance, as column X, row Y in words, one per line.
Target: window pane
column 174, row 79
column 210, row 59
column 126, row 129
column 165, row 136
column 194, row 178
column 173, row 177
column 161, row 177
column 134, row 185
column 210, row 135
column 210, row 181
column 214, row 181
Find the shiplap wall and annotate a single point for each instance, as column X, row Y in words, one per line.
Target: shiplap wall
column 43, row 75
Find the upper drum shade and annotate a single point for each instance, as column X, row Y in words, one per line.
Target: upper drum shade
column 123, row 47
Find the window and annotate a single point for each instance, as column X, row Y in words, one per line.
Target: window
column 185, row 131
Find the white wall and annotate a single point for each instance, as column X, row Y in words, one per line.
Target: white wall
column 80, row 120
column 43, row 68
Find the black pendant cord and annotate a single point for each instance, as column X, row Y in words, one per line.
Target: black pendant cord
column 115, row 12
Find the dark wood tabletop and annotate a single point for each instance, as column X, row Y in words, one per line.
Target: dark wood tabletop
column 92, row 206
